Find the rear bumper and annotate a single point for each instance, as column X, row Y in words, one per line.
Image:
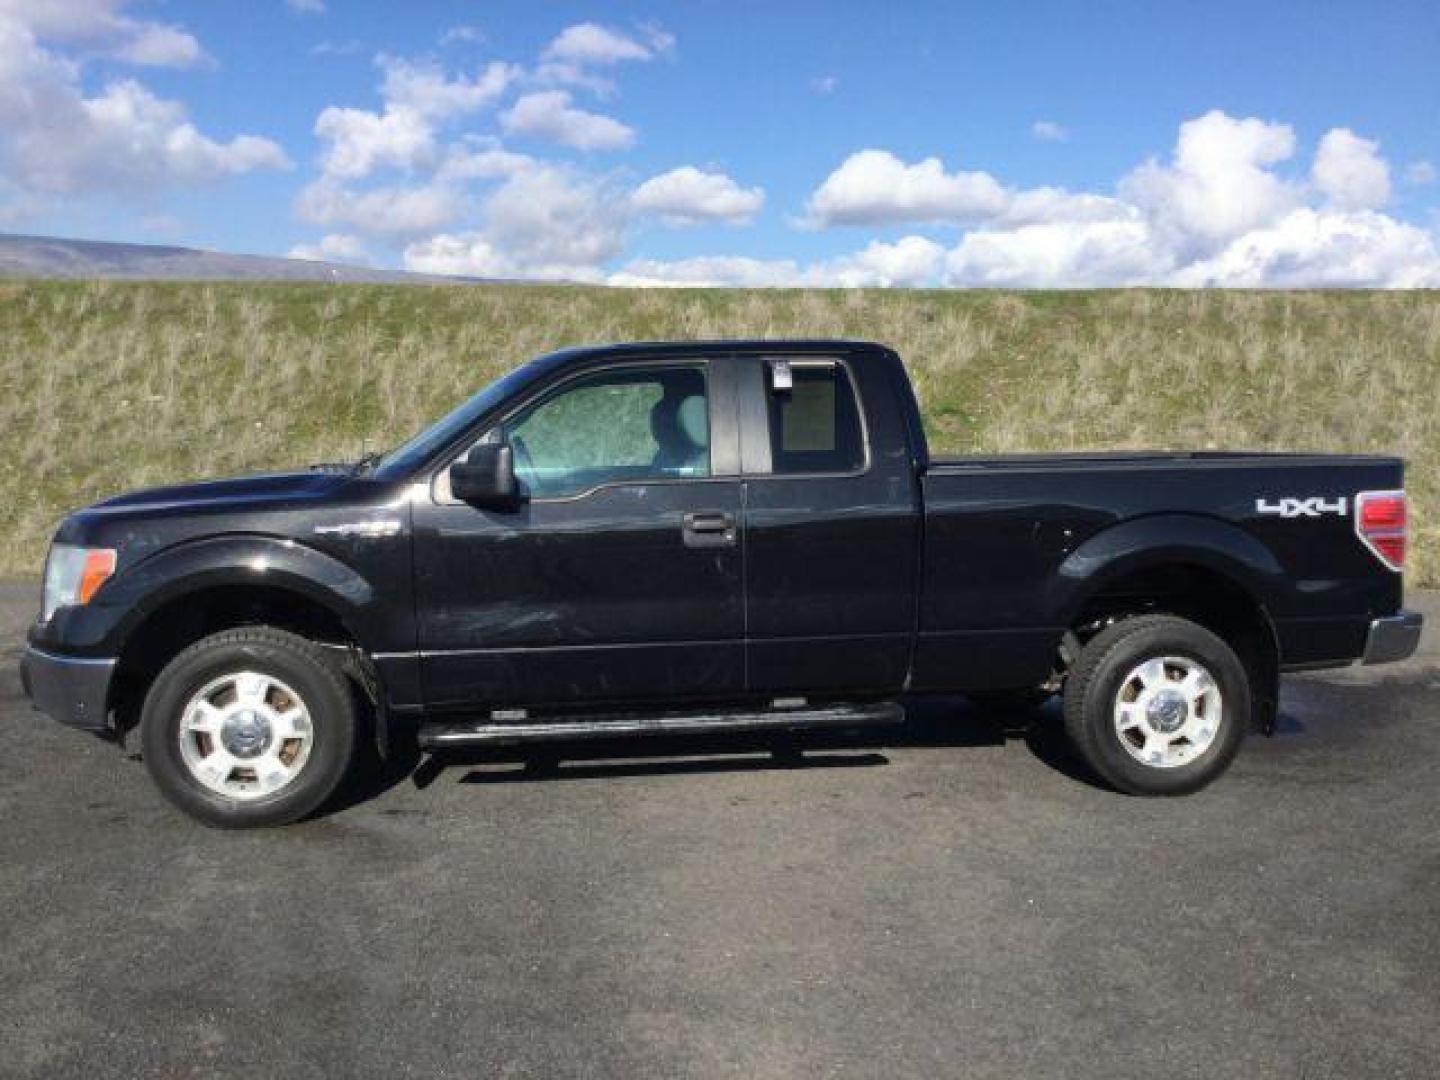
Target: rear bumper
column 1394, row 637
column 71, row 689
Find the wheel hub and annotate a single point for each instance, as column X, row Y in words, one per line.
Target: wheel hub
column 246, row 733
column 1167, row 712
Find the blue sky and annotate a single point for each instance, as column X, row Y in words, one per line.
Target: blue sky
column 1276, row 143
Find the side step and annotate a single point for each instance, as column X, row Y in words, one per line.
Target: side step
column 439, row 736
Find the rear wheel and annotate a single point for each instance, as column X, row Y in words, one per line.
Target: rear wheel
column 1157, row 705
column 249, row 727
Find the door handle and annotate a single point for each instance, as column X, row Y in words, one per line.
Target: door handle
column 708, row 528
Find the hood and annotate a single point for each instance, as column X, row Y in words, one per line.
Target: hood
column 268, row 488
column 141, row 521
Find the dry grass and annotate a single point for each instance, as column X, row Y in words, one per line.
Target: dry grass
column 109, row 386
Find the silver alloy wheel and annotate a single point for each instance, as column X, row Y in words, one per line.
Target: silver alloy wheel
column 245, row 735
column 1168, row 711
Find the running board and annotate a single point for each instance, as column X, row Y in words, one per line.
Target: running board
column 440, row 736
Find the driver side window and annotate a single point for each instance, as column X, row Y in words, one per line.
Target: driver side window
column 629, row 424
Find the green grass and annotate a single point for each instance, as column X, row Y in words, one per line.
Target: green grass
column 109, row 386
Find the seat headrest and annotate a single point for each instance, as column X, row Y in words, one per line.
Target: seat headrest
column 690, row 418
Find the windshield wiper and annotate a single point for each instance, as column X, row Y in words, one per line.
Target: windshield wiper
column 351, row 467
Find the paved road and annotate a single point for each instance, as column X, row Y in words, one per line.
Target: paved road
column 949, row 900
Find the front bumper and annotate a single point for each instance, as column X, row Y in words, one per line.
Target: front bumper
column 1394, row 637
column 71, row 689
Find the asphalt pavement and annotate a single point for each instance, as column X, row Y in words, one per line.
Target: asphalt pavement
column 950, row 898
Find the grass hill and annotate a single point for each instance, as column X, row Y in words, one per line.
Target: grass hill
column 112, row 385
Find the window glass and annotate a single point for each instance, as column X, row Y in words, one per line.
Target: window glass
column 636, row 424
column 814, row 426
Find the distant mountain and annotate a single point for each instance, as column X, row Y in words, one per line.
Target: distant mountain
column 51, row 257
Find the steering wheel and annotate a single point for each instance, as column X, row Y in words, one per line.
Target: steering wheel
column 524, row 463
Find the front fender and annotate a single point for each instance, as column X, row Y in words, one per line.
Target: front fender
column 1164, row 539
column 101, row 627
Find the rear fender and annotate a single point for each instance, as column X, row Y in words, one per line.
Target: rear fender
column 1160, row 540
column 1190, row 540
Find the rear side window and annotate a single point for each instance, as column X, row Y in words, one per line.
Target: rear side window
column 815, row 425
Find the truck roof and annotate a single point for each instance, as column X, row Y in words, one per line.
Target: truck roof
column 746, row 345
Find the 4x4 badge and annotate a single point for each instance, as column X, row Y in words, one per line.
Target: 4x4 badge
column 1294, row 508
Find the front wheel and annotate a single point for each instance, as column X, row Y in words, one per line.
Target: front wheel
column 1157, row 705
column 248, row 727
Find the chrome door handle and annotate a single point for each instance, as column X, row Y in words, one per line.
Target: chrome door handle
column 708, row 528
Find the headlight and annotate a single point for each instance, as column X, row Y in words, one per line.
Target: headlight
column 72, row 574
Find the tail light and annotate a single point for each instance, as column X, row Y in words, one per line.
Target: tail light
column 1380, row 519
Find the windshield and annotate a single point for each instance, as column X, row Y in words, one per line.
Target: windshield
column 410, row 455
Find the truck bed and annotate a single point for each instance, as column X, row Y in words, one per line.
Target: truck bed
column 1010, row 539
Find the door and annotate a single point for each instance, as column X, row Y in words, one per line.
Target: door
column 618, row 578
column 831, row 527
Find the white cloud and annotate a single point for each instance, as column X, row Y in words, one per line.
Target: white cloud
column 543, row 223
column 1324, row 248
column 548, row 114
column 124, row 140
column 358, row 141
column 1042, row 205
column 912, row 260
column 1049, row 131
column 424, row 88
column 660, row 40
column 874, row 187
column 1056, row 254
column 467, row 254
column 591, row 43
column 1219, row 184
column 156, row 45
column 395, row 213
column 1219, row 212
column 464, row 202
column 689, row 196
column 481, row 159
column 1350, row 171
column 729, row 271
column 825, row 85
column 417, row 96
column 334, row 247
column 1420, row 173
column 102, row 28
column 306, row 7
column 463, row 35
column 569, row 60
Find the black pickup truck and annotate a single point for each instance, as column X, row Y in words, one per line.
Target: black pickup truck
column 704, row 537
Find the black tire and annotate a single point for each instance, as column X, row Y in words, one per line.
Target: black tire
column 1099, row 675
column 294, row 660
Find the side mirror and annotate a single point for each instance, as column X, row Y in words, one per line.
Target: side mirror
column 485, row 477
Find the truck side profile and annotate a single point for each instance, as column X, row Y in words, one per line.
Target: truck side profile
column 706, row 537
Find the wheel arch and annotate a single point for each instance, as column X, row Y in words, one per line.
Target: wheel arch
column 189, row 592
column 1200, row 568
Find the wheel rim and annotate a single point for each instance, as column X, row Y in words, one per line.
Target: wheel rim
column 1168, row 711
column 246, row 735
